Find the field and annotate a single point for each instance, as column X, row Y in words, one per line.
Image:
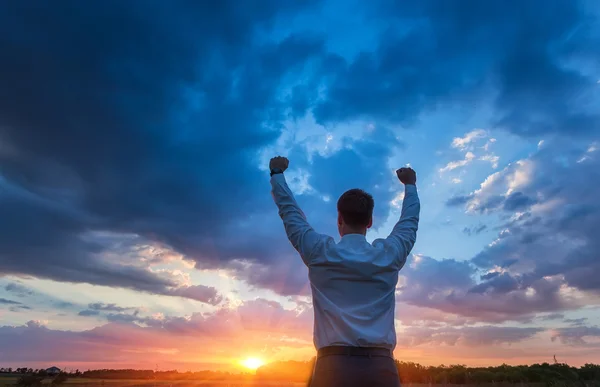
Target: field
column 10, row 381
column 83, row 382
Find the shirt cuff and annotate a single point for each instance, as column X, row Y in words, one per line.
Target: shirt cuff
column 278, row 177
column 410, row 188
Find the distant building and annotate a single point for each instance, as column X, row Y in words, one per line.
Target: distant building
column 53, row 371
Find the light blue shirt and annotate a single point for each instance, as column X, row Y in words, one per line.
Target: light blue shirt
column 353, row 282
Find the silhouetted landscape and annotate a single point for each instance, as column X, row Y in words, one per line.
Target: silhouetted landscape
column 297, row 373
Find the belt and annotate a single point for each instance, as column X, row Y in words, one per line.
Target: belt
column 354, row 351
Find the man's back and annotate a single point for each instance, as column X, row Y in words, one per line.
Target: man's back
column 353, row 284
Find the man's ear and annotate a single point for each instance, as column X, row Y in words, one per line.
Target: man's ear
column 370, row 223
column 340, row 219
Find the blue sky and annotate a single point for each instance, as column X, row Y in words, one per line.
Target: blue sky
column 134, row 191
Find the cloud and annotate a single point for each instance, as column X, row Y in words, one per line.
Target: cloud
column 88, row 312
column 451, row 287
column 150, row 111
column 468, row 336
column 544, row 256
column 14, row 306
column 8, row 302
column 576, row 335
column 501, row 189
column 207, row 294
column 149, row 116
column 485, row 49
column 551, row 316
column 475, row 229
column 576, row 321
column 549, row 232
column 469, row 156
column 198, row 341
column 99, row 306
column 18, row 289
column 463, row 142
column 518, row 201
column 493, row 159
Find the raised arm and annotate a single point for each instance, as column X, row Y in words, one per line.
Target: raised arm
column 404, row 234
column 302, row 236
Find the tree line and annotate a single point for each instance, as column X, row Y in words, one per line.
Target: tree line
column 299, row 371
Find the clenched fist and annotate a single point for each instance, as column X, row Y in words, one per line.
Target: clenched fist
column 407, row 175
column 279, row 162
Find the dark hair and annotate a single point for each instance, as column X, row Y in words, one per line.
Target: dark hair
column 356, row 207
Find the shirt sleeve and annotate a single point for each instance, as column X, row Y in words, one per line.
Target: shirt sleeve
column 302, row 236
column 404, row 234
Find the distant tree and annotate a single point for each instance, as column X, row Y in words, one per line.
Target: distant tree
column 590, row 372
column 482, row 376
column 556, row 375
column 30, row 381
column 59, row 379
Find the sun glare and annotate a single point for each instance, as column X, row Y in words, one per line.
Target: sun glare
column 252, row 363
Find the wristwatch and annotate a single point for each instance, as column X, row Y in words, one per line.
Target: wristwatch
column 275, row 171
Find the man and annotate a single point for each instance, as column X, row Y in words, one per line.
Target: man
column 353, row 282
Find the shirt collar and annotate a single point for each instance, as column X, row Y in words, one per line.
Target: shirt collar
column 354, row 237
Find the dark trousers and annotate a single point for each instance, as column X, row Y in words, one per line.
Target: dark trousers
column 354, row 367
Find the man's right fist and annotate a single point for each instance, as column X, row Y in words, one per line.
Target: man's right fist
column 407, row 175
column 279, row 162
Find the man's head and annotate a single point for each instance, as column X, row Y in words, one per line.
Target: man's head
column 355, row 212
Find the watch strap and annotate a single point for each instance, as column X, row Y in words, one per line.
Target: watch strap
column 275, row 171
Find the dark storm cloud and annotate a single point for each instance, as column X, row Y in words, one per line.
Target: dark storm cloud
column 502, row 283
column 489, row 276
column 459, row 52
column 133, row 118
column 517, row 201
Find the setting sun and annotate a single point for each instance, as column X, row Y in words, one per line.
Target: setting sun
column 252, row 363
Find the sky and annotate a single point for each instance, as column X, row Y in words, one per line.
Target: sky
column 137, row 228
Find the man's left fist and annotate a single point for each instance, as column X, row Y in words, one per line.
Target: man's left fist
column 279, row 162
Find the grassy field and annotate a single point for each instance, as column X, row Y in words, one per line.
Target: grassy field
column 83, row 382
column 10, row 381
